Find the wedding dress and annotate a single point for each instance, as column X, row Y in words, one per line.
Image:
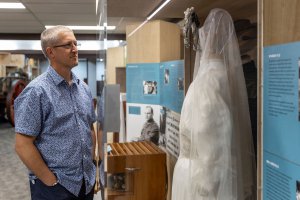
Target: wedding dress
column 214, row 122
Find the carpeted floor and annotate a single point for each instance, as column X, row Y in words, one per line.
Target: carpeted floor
column 13, row 174
column 14, row 183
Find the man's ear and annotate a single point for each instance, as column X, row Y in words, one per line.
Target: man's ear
column 49, row 52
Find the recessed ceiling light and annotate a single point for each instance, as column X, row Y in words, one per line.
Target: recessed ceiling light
column 97, row 6
column 158, row 9
column 137, row 28
column 4, row 5
column 150, row 17
column 99, row 28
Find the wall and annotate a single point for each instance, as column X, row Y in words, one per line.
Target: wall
column 91, row 74
column 279, row 24
column 280, row 21
column 115, row 58
column 99, row 70
column 156, row 41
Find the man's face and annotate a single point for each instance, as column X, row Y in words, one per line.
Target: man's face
column 150, row 88
column 65, row 51
column 149, row 114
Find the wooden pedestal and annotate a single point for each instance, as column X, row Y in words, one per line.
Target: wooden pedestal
column 144, row 167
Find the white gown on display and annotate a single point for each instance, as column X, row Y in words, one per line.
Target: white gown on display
column 213, row 132
column 214, row 122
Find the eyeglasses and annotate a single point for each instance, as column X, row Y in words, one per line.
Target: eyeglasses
column 69, row 45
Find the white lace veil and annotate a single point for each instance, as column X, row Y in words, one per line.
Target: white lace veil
column 222, row 164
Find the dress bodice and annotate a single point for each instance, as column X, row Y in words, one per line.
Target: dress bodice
column 205, row 131
column 208, row 90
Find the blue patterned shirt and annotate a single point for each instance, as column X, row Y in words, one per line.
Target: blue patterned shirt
column 60, row 116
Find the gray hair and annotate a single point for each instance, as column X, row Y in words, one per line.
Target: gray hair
column 49, row 37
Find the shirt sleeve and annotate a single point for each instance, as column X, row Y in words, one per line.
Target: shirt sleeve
column 93, row 112
column 28, row 112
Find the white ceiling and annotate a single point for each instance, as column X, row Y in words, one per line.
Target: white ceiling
column 39, row 13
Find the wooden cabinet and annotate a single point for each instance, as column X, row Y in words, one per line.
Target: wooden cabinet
column 2, row 71
column 32, row 71
column 32, row 67
column 156, row 41
column 143, row 166
column 10, row 63
column 115, row 58
column 17, row 60
column 5, row 70
column 10, row 69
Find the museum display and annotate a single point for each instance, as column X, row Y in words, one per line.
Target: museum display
column 216, row 158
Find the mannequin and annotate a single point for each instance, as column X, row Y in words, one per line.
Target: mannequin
column 214, row 119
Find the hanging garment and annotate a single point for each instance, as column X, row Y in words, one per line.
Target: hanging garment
column 203, row 171
column 216, row 150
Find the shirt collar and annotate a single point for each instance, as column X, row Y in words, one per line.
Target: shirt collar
column 57, row 79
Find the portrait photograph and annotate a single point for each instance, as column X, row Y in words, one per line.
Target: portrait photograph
column 167, row 76
column 180, row 84
column 150, row 87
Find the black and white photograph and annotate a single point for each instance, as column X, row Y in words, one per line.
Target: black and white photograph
column 180, row 83
column 162, row 126
column 167, row 76
column 150, row 87
column 297, row 190
column 150, row 130
column 145, row 124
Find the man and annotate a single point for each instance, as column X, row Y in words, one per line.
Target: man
column 54, row 116
column 150, row 129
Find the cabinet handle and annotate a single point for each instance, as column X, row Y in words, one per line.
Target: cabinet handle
column 132, row 169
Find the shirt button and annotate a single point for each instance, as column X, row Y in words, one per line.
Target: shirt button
column 82, row 140
column 84, row 156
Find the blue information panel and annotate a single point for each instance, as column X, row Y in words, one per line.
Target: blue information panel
column 156, row 83
column 281, row 126
column 172, row 85
column 142, row 83
column 161, row 87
